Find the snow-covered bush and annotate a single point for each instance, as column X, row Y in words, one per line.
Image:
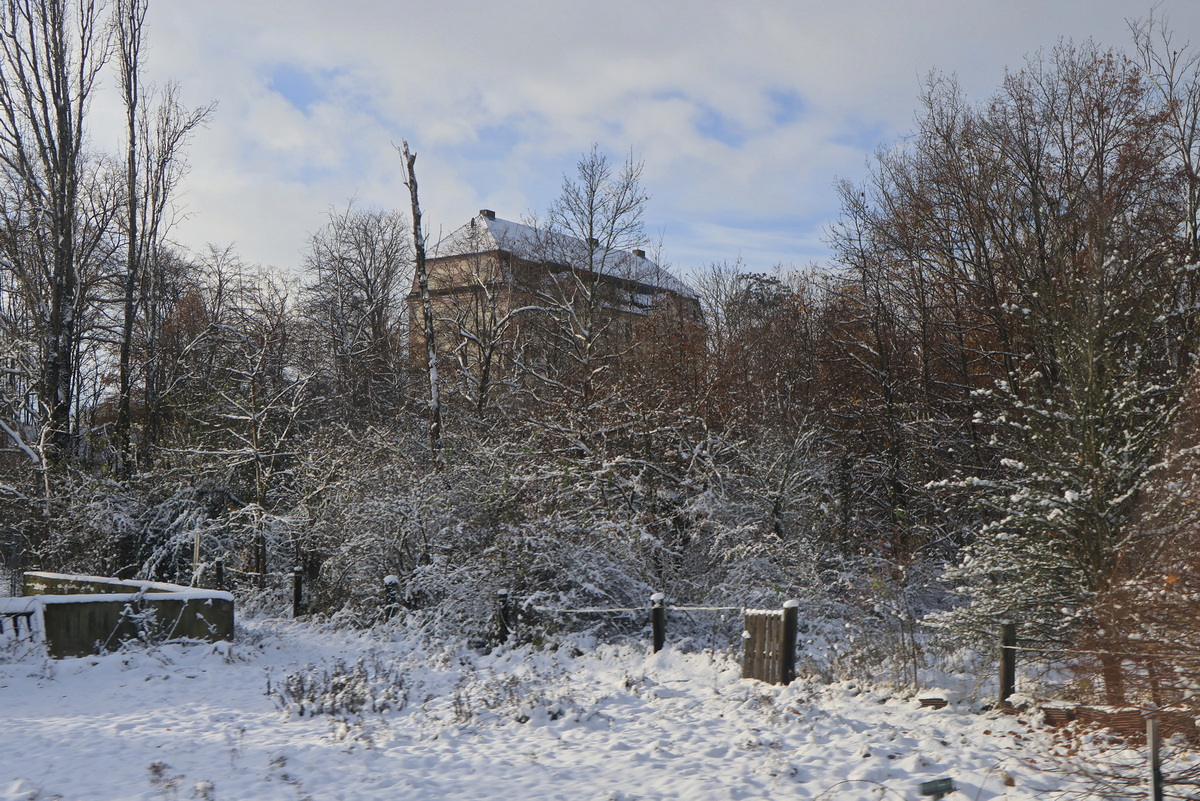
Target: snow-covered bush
column 147, row 526
column 369, row 686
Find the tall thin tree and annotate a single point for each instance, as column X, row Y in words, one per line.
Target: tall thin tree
column 131, row 18
column 435, row 402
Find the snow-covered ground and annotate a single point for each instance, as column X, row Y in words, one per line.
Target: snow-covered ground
column 610, row 723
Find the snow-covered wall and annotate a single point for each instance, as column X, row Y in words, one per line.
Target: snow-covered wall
column 36, row 582
column 78, row 615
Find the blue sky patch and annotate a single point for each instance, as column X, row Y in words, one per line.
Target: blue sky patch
column 669, row 94
column 503, row 156
column 497, row 141
column 713, row 124
column 787, row 106
column 864, row 136
column 302, row 88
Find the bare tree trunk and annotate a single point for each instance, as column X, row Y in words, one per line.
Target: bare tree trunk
column 435, row 404
column 1114, row 680
column 131, row 14
column 163, row 139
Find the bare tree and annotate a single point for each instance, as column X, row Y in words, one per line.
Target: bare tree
column 131, row 19
column 585, row 243
column 240, row 396
column 1174, row 73
column 153, row 167
column 435, row 401
column 1014, row 268
column 358, row 265
column 484, row 320
column 51, row 52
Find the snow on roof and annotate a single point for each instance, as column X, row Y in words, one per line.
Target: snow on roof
column 486, row 232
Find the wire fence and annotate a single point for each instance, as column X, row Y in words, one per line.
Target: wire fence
column 1161, row 674
column 620, row 610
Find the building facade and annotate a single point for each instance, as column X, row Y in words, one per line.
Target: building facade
column 508, row 294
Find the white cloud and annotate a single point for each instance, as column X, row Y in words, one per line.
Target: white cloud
column 499, row 98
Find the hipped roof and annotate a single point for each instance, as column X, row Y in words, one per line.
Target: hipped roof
column 486, row 233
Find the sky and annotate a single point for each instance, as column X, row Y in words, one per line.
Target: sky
column 745, row 115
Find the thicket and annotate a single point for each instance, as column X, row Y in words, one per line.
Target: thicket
column 977, row 412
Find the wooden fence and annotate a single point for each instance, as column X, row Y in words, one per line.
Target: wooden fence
column 769, row 637
column 770, row 644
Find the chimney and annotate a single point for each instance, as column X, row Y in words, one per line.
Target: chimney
column 488, row 213
column 641, row 254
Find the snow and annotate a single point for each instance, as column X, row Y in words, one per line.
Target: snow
column 161, row 590
column 483, row 234
column 592, row 722
column 185, row 594
column 132, row 584
column 21, row 604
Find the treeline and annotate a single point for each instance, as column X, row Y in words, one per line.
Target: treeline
column 976, row 411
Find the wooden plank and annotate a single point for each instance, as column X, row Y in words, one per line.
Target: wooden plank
column 768, row 673
column 768, row 649
column 754, row 643
column 774, row 635
column 747, row 648
column 764, row 647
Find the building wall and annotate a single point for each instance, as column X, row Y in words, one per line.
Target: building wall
column 475, row 292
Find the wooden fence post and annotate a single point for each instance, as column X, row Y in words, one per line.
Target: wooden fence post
column 791, row 629
column 503, row 615
column 1154, row 741
column 658, row 620
column 1008, row 661
column 297, row 591
column 219, row 573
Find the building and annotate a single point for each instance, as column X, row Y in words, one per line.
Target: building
column 503, row 290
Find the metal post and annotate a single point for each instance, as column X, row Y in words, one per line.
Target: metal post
column 391, row 597
column 196, row 556
column 297, row 592
column 504, row 616
column 791, row 630
column 658, row 620
column 1008, row 661
column 1154, row 740
column 219, row 573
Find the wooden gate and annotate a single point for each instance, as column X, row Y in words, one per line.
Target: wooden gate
column 770, row 641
